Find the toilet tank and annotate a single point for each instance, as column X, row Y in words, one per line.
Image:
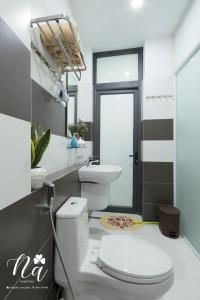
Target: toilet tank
column 73, row 236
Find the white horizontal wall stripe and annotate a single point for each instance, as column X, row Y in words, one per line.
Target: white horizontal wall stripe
column 158, row 85
column 15, row 180
column 158, row 151
column 55, row 157
column 58, row 156
column 155, row 109
column 158, row 108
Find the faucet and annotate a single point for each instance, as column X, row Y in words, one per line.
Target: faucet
column 50, row 194
column 92, row 160
column 49, row 201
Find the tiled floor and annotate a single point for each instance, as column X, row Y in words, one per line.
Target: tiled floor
column 186, row 263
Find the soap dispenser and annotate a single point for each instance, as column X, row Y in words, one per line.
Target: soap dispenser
column 74, row 142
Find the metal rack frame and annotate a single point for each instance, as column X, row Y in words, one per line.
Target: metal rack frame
column 64, row 48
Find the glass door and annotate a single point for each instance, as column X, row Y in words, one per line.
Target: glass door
column 118, row 145
column 117, row 78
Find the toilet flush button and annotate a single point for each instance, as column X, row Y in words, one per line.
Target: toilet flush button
column 74, row 203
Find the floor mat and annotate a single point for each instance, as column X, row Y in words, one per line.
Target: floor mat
column 121, row 222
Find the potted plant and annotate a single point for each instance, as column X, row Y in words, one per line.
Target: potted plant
column 74, row 129
column 82, row 129
column 39, row 143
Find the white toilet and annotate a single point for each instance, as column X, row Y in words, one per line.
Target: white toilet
column 118, row 267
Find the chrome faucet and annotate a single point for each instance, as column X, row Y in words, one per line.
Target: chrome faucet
column 92, row 160
column 50, row 194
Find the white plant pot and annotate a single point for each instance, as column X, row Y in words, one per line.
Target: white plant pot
column 38, row 176
column 81, row 143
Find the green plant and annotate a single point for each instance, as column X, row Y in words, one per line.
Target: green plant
column 73, row 128
column 80, row 128
column 39, row 143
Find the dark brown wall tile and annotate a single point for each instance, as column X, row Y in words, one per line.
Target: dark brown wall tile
column 157, row 172
column 25, row 228
column 67, row 186
column 46, row 111
column 150, row 212
column 157, row 129
column 38, row 290
column 15, row 83
column 158, row 193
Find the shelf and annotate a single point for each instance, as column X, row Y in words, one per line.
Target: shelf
column 61, row 38
column 69, row 147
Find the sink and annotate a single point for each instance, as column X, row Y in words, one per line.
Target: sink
column 95, row 184
column 102, row 174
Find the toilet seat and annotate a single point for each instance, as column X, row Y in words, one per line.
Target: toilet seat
column 133, row 260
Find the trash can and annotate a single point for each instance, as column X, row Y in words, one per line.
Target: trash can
column 169, row 221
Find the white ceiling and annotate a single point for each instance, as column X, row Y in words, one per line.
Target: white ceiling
column 114, row 24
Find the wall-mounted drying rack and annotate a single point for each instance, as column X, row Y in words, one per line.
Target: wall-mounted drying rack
column 61, row 38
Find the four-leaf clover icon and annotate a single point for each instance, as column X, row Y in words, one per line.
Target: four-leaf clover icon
column 39, row 259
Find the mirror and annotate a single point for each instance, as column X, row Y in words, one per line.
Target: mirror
column 71, row 107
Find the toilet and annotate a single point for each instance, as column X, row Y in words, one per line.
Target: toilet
column 118, row 267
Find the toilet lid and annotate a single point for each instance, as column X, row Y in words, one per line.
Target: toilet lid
column 133, row 260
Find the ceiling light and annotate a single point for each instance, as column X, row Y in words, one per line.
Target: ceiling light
column 127, row 74
column 137, row 3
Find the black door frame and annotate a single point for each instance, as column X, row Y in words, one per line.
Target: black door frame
column 134, row 92
column 121, row 87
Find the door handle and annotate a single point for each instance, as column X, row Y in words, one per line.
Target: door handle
column 135, row 155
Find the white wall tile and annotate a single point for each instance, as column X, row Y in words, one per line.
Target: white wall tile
column 158, row 85
column 158, row 78
column 58, row 156
column 158, row 54
column 55, row 157
column 17, row 14
column 15, row 181
column 158, row 108
column 158, row 151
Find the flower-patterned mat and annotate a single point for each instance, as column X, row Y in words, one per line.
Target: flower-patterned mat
column 121, row 222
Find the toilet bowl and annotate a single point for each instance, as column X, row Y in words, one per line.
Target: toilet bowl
column 116, row 267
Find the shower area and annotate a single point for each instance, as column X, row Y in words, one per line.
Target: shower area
column 188, row 148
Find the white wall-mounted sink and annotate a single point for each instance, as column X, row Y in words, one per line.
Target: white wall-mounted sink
column 102, row 174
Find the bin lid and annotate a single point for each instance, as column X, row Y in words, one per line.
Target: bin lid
column 169, row 210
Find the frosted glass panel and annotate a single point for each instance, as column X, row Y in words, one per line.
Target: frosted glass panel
column 188, row 149
column 116, row 143
column 117, row 68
